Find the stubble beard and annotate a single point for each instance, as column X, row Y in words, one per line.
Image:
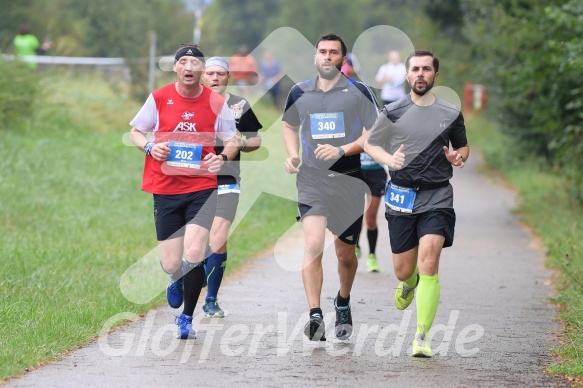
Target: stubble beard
column 330, row 74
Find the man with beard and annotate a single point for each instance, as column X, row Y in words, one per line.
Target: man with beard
column 328, row 113
column 412, row 137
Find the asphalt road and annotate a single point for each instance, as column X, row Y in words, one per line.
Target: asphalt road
column 494, row 323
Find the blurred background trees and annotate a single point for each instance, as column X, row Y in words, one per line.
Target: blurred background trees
column 528, row 54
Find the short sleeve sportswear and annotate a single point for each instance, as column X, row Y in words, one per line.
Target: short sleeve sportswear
column 336, row 117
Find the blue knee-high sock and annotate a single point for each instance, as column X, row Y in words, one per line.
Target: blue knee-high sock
column 215, row 267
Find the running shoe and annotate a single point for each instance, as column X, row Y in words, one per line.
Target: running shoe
column 185, row 330
column 175, row 293
column 404, row 295
column 343, row 321
column 211, row 308
column 358, row 252
column 315, row 328
column 421, row 347
column 373, row 265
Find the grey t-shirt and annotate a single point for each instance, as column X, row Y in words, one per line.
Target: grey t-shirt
column 424, row 131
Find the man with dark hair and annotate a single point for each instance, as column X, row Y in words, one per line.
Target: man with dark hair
column 328, row 113
column 412, row 137
column 184, row 119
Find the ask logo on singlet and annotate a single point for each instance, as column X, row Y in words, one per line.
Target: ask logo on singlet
column 186, row 125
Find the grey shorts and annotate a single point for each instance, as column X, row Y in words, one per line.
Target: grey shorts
column 339, row 198
column 227, row 206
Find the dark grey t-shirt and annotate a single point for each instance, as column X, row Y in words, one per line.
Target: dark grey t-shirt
column 424, row 131
column 335, row 117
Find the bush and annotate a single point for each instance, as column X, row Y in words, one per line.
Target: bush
column 19, row 88
column 529, row 55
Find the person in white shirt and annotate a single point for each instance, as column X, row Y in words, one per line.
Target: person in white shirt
column 392, row 76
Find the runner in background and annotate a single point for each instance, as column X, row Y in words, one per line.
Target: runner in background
column 375, row 177
column 392, row 76
column 244, row 69
column 351, row 67
column 216, row 77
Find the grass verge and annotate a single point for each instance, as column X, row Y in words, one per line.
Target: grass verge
column 557, row 218
column 73, row 218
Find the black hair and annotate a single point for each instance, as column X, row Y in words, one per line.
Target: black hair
column 333, row 37
column 423, row 53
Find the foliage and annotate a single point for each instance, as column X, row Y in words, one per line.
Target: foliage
column 108, row 28
column 18, row 92
column 241, row 22
column 555, row 217
column 530, row 56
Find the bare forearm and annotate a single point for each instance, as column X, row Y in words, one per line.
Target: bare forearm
column 377, row 153
column 251, row 144
column 138, row 138
column 357, row 146
column 291, row 140
column 464, row 152
column 231, row 148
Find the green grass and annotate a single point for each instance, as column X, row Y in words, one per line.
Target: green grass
column 73, row 219
column 557, row 218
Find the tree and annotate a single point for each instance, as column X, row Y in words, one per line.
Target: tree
column 529, row 53
column 227, row 24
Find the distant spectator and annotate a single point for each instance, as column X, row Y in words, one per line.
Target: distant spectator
column 351, row 66
column 270, row 75
column 392, row 75
column 26, row 43
column 243, row 68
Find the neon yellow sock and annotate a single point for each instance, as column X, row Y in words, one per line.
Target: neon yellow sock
column 411, row 282
column 427, row 299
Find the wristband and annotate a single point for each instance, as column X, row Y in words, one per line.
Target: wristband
column 225, row 159
column 244, row 145
column 148, row 148
column 341, row 151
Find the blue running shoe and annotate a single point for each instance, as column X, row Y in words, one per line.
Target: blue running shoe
column 343, row 321
column 211, row 308
column 185, row 330
column 175, row 293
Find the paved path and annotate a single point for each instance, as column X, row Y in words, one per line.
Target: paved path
column 495, row 322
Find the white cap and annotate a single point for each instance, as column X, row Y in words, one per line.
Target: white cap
column 217, row 61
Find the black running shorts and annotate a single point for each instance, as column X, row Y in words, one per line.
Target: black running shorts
column 405, row 230
column 173, row 212
column 376, row 180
